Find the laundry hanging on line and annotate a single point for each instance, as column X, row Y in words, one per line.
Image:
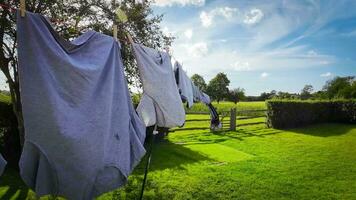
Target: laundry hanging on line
column 191, row 93
column 200, row 96
column 2, row 164
column 160, row 103
column 83, row 136
column 184, row 84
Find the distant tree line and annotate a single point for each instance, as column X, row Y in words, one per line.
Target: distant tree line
column 218, row 90
column 336, row 88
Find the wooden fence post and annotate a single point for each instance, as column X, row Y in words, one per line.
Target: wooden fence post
column 233, row 119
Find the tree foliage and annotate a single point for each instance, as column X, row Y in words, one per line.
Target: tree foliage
column 199, row 82
column 341, row 87
column 218, row 87
column 237, row 94
column 306, row 92
column 73, row 17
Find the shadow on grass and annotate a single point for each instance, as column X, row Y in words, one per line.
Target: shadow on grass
column 168, row 155
column 241, row 134
column 324, row 130
column 191, row 129
column 12, row 180
column 250, row 124
column 197, row 120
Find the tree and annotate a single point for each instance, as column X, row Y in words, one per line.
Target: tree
column 284, row 95
column 199, row 82
column 218, row 87
column 268, row 95
column 306, row 92
column 353, row 90
column 237, row 95
column 320, row 95
column 72, row 17
column 340, row 87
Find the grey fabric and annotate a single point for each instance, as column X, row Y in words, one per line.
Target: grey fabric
column 184, row 85
column 160, row 103
column 2, row 164
column 82, row 134
column 196, row 93
column 205, row 98
column 200, row 96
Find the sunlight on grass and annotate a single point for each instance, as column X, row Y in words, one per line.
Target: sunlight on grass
column 220, row 153
column 253, row 162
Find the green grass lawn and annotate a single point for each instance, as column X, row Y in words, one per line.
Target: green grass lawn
column 226, row 106
column 316, row 162
column 5, row 98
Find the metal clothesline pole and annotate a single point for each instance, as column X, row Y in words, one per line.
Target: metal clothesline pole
column 149, row 154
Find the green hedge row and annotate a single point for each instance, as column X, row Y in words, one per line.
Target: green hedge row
column 296, row 113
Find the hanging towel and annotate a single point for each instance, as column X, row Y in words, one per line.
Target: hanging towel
column 184, row 85
column 215, row 123
column 160, row 103
column 197, row 94
column 2, row 164
column 200, row 96
column 205, row 98
column 83, row 137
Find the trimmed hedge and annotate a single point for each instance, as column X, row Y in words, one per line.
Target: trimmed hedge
column 296, row 113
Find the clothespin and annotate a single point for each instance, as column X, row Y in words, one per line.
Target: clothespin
column 121, row 15
column 129, row 38
column 23, row 8
column 155, row 132
column 114, row 27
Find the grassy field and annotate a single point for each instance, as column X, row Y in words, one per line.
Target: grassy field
column 223, row 106
column 5, row 98
column 226, row 106
column 316, row 162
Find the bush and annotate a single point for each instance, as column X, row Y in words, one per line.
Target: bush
column 10, row 147
column 296, row 113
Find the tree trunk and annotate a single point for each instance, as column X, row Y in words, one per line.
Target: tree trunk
column 15, row 95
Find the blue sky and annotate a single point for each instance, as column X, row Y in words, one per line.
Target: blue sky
column 263, row 45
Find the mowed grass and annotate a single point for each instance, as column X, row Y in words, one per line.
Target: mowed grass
column 224, row 106
column 254, row 162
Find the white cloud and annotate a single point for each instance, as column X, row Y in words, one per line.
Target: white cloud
column 312, row 53
column 327, row 74
column 162, row 3
column 198, row 49
column 166, row 31
column 241, row 66
column 207, row 18
column 350, row 34
column 188, row 33
column 264, row 75
column 253, row 16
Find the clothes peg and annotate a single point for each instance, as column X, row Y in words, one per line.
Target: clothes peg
column 23, row 8
column 121, row 15
column 129, row 38
column 114, row 31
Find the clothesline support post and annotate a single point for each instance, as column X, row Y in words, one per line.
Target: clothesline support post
column 233, row 119
column 149, row 155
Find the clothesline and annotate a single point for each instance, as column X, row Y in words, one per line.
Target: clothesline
column 125, row 142
column 13, row 10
